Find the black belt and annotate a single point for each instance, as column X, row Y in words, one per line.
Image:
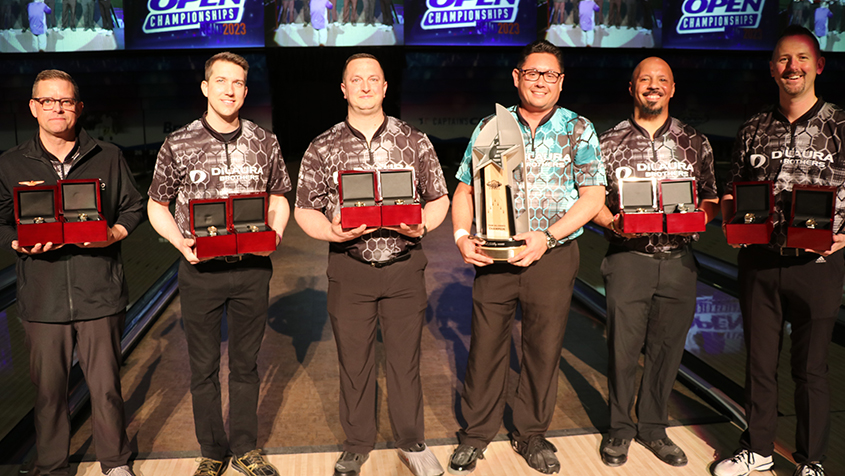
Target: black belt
column 382, row 264
column 792, row 252
column 229, row 259
column 664, row 254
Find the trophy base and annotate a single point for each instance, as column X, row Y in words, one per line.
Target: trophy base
column 502, row 250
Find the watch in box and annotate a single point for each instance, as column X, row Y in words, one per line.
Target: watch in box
column 359, row 199
column 249, row 222
column 36, row 215
column 638, row 206
column 399, row 201
column 209, row 225
column 752, row 222
column 811, row 221
column 678, row 202
column 81, row 212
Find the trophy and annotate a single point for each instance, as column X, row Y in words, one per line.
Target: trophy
column 36, row 215
column 811, row 223
column 210, row 228
column 81, row 219
column 496, row 154
column 638, row 206
column 678, row 201
column 249, row 220
column 753, row 208
column 400, row 203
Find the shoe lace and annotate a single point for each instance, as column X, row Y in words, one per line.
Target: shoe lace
column 744, row 457
column 465, row 453
column 538, row 443
column 208, row 467
column 811, row 469
column 253, row 459
column 349, row 456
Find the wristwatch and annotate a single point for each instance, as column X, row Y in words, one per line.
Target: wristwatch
column 551, row 241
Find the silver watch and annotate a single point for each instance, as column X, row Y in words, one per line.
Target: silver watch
column 551, row 241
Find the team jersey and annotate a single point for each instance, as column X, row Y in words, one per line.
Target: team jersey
column 562, row 156
column 196, row 162
column 677, row 151
column 395, row 144
column 809, row 151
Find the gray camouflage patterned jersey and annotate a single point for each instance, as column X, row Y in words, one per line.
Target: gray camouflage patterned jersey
column 677, row 151
column 195, row 162
column 396, row 144
column 809, row 151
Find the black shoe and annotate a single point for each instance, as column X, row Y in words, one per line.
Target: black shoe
column 666, row 451
column 463, row 459
column 253, row 463
column 349, row 464
column 539, row 453
column 614, row 451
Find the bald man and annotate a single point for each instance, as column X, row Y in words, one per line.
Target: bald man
column 649, row 278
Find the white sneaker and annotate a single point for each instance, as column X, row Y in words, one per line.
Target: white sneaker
column 743, row 463
column 809, row 469
column 421, row 461
column 120, row 471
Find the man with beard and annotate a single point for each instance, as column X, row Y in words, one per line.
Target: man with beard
column 565, row 188
column 649, row 278
column 778, row 283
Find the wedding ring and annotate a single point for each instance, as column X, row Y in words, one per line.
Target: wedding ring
column 253, row 228
column 749, row 218
column 212, row 231
column 811, row 224
column 38, row 220
column 83, row 216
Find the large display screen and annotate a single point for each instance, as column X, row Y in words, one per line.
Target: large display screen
column 32, row 26
column 165, row 24
column 471, row 22
column 335, row 22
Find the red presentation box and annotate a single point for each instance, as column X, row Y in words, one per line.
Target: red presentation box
column 359, row 199
column 811, row 223
column 678, row 202
column 638, row 205
column 753, row 208
column 209, row 225
column 81, row 217
column 400, row 203
column 249, row 222
column 37, row 216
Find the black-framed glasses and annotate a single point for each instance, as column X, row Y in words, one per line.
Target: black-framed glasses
column 49, row 103
column 551, row 77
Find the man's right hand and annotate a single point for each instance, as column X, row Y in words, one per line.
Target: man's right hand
column 468, row 246
column 186, row 247
column 34, row 250
column 340, row 234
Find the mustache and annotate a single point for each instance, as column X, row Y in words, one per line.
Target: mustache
column 650, row 91
column 792, row 72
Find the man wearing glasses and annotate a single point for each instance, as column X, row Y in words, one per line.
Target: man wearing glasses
column 565, row 177
column 72, row 294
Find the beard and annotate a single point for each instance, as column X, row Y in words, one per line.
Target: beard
column 651, row 109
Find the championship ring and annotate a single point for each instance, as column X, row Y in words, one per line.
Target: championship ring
column 212, row 231
column 811, row 224
column 749, row 218
column 681, row 208
column 253, row 228
column 82, row 216
column 38, row 220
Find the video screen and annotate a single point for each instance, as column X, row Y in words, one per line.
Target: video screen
column 334, row 22
column 168, row 24
column 471, row 22
column 51, row 25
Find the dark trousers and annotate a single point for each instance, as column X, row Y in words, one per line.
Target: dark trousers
column 105, row 14
column 544, row 290
column 88, row 7
column 68, row 13
column 651, row 303
column 360, row 298
column 50, row 348
column 774, row 289
column 350, row 11
column 243, row 289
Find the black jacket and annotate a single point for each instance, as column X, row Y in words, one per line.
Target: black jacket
column 71, row 283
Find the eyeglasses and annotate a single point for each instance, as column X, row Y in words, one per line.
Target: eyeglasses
column 551, row 77
column 49, row 103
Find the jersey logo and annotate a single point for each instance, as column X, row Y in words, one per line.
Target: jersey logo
column 31, row 183
column 624, row 172
column 198, row 176
column 758, row 160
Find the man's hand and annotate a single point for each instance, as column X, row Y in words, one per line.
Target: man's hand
column 268, row 253
column 411, row 231
column 468, row 246
column 340, row 234
column 725, row 232
column 535, row 247
column 34, row 250
column 838, row 244
column 114, row 234
column 618, row 226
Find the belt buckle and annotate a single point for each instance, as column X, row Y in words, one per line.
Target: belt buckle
column 790, row 252
column 232, row 259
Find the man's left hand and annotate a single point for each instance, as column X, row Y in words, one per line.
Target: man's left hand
column 838, row 244
column 115, row 234
column 535, row 247
column 411, row 231
column 268, row 253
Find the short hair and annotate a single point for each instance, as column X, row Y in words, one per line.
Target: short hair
column 540, row 46
column 355, row 57
column 798, row 30
column 49, row 74
column 229, row 57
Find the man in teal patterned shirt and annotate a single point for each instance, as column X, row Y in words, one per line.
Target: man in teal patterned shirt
column 565, row 181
